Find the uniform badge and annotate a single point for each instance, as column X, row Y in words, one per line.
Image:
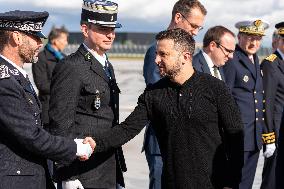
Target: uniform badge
column 88, row 56
column 97, row 100
column 30, row 101
column 246, row 78
column 4, row 72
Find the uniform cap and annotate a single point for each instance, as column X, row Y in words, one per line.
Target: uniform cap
column 280, row 29
column 26, row 21
column 100, row 12
column 254, row 27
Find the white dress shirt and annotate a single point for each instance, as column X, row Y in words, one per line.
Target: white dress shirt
column 210, row 64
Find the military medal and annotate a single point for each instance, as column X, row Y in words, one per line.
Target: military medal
column 97, row 100
column 246, row 78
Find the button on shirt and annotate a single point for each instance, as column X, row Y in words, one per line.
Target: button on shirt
column 210, row 64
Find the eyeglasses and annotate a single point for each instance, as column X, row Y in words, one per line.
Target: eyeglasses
column 224, row 48
column 194, row 26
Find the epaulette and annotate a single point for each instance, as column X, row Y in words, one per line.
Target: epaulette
column 271, row 57
column 268, row 138
column 4, row 72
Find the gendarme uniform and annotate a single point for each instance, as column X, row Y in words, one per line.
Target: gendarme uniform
column 84, row 102
column 243, row 76
column 273, row 82
column 24, row 144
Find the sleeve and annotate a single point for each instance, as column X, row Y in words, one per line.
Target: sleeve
column 18, row 126
column 65, row 91
column 150, row 69
column 270, row 87
column 232, row 134
column 230, row 74
column 40, row 75
column 122, row 133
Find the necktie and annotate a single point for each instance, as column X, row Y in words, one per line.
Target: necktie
column 30, row 85
column 251, row 59
column 107, row 69
column 216, row 72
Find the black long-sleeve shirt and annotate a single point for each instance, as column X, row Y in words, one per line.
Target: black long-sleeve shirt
column 199, row 130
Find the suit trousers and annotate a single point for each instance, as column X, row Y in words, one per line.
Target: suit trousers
column 155, row 164
column 249, row 169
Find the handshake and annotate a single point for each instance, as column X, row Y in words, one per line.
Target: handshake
column 85, row 148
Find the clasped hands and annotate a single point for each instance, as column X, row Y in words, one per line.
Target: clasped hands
column 85, row 148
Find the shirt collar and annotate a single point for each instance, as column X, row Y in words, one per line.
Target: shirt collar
column 281, row 54
column 101, row 59
column 208, row 60
column 15, row 65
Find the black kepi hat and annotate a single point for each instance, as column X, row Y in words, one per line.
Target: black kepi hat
column 26, row 21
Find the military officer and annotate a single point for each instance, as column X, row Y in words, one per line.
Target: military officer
column 84, row 98
column 273, row 84
column 24, row 144
column 243, row 76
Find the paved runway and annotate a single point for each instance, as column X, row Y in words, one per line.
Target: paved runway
column 131, row 83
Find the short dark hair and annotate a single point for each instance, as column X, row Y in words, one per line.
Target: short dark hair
column 185, row 6
column 56, row 32
column 4, row 38
column 182, row 39
column 215, row 34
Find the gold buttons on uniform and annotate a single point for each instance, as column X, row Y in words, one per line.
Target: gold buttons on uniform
column 256, row 119
column 263, row 110
column 254, row 92
column 262, row 119
column 255, row 101
column 263, row 101
column 256, row 110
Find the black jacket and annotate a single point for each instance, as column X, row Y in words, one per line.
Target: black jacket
column 24, row 144
column 273, row 82
column 188, row 120
column 42, row 73
column 79, row 83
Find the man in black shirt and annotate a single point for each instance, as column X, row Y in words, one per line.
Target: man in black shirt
column 196, row 119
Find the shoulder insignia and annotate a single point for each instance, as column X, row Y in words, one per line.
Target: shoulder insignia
column 88, row 56
column 4, row 72
column 271, row 57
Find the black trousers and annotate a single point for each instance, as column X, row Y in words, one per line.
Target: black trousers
column 249, row 169
column 268, row 173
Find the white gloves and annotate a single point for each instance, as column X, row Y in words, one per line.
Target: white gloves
column 72, row 184
column 270, row 148
column 83, row 149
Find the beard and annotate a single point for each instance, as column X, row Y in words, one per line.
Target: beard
column 27, row 53
column 172, row 72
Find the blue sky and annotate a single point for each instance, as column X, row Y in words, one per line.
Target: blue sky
column 154, row 15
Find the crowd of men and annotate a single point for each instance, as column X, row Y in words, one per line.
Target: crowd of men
column 207, row 115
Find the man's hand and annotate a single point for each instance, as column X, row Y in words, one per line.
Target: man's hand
column 269, row 151
column 227, row 188
column 91, row 142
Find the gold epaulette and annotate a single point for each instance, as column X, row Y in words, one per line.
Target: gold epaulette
column 271, row 57
column 268, row 138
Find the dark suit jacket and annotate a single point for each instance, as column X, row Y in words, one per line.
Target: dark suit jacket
column 77, row 82
column 24, row 144
column 245, row 81
column 199, row 63
column 42, row 73
column 273, row 83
